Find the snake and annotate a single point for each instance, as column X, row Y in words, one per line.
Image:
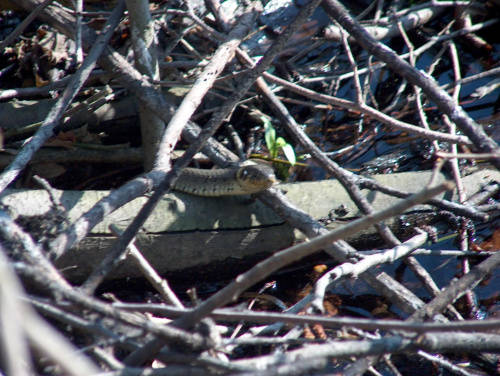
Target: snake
column 239, row 180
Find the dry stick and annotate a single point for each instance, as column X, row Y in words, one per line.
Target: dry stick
column 396, row 344
column 299, row 366
column 44, row 338
column 416, row 89
column 433, row 252
column 441, row 154
column 178, row 37
column 428, row 85
column 354, row 67
column 57, row 206
column 427, row 280
column 433, row 3
column 353, row 270
column 53, row 118
column 462, row 233
column 220, row 15
column 297, row 252
column 160, row 284
column 43, row 90
column 464, row 244
column 456, row 97
column 78, row 5
column 16, row 356
column 337, row 322
column 238, row 145
column 217, row 119
column 203, row 83
column 463, row 18
column 146, row 60
column 106, row 359
column 475, row 77
column 409, row 21
column 188, row 64
column 72, row 318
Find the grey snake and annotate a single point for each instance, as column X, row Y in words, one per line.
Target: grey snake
column 242, row 180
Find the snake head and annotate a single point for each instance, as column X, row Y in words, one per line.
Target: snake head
column 255, row 177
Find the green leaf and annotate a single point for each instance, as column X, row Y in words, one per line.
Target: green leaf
column 289, row 153
column 274, row 144
column 270, row 136
column 280, row 142
column 266, row 122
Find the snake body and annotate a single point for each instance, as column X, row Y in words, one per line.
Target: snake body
column 242, row 180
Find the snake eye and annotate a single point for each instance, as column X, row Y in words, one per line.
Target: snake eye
column 246, row 174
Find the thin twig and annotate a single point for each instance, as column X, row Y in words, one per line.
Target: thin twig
column 261, row 317
column 351, row 270
column 160, row 284
column 146, row 60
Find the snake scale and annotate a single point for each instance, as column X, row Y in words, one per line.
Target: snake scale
column 242, row 180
